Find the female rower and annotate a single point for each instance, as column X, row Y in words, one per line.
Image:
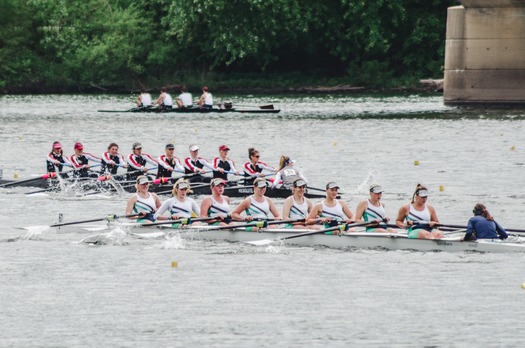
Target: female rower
column 80, row 161
column 256, row 206
column 184, row 100
column 137, row 162
column 206, row 99
column 373, row 210
column 287, row 173
column 111, row 160
column 483, row 226
column 217, row 204
column 253, row 169
column 223, row 165
column 194, row 165
column 144, row 99
column 330, row 211
column 179, row 206
column 419, row 217
column 168, row 163
column 297, row 206
column 143, row 202
column 57, row 160
column 164, row 101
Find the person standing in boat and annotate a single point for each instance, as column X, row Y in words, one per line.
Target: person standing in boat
column 373, row 210
column 112, row 160
column 137, row 162
column 330, row 211
column 297, row 206
column 256, row 206
column 483, row 226
column 179, row 206
column 164, row 101
column 56, row 160
column 419, row 217
column 185, row 99
column 206, row 99
column 287, row 173
column 217, row 204
column 223, row 165
column 253, row 169
column 194, row 166
column 80, row 161
column 168, row 163
column 144, row 99
column 143, row 202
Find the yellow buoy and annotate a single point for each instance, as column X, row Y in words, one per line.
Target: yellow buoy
column 523, row 285
column 513, row 148
column 15, row 175
column 441, row 188
column 334, row 144
column 174, row 264
column 416, row 163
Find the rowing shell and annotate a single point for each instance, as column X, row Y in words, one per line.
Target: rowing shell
column 359, row 240
column 198, row 110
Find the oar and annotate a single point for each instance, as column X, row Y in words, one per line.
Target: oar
column 464, row 227
column 258, row 224
column 342, row 227
column 184, row 221
column 109, row 217
column 42, row 177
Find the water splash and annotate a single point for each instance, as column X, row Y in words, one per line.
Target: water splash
column 115, row 236
column 175, row 241
column 35, row 232
column 362, row 188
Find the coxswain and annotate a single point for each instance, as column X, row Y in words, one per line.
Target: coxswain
column 185, row 99
column 483, row 226
column 223, row 165
column 253, row 169
column 179, row 206
column 331, row 211
column 137, row 162
column 373, row 210
column 143, row 202
column 168, row 163
column 297, row 206
column 194, row 166
column 206, row 99
column 216, row 204
column 56, row 160
column 80, row 161
column 144, row 99
column 164, row 101
column 112, row 160
column 256, row 206
column 287, row 173
column 419, row 217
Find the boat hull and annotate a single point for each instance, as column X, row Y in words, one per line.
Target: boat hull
column 196, row 110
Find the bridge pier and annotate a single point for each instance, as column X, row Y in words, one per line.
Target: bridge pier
column 485, row 54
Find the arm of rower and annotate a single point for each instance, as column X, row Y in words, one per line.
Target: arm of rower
column 273, row 210
column 433, row 216
column 347, row 211
column 129, row 206
column 286, row 208
column 205, row 206
column 236, row 213
column 312, row 218
column 401, row 216
column 360, row 210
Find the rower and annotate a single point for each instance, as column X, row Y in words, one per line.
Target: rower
column 287, row 173
column 164, row 101
column 206, row 99
column 217, row 204
column 168, row 163
column 419, row 217
column 179, row 206
column 373, row 210
column 144, row 99
column 331, row 211
column 185, row 99
column 57, row 160
column 143, row 202
column 253, row 169
column 256, row 206
column 483, row 226
column 194, row 165
column 111, row 160
column 137, row 162
column 297, row 206
column 222, row 164
column 80, row 161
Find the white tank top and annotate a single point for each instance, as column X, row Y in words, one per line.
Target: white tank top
column 144, row 204
column 299, row 211
column 146, row 99
column 217, row 208
column 167, row 100
column 418, row 215
column 374, row 213
column 208, row 99
column 258, row 209
column 335, row 212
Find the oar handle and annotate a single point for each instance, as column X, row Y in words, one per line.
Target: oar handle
column 110, row 217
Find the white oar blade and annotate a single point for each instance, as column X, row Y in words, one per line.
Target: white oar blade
column 261, row 242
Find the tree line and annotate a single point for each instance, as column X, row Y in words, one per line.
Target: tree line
column 68, row 45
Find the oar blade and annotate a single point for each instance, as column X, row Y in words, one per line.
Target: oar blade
column 262, row 242
column 266, row 107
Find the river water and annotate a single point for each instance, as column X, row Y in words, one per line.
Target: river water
column 56, row 291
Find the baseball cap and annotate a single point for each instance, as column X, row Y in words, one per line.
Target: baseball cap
column 78, row 146
column 182, row 185
column 142, row 179
column 137, row 146
column 331, row 184
column 299, row 183
column 224, row 147
column 375, row 188
column 260, row 182
column 217, row 182
column 422, row 192
column 194, row 147
column 170, row 146
column 57, row 145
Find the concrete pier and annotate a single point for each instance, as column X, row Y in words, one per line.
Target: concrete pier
column 485, row 53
